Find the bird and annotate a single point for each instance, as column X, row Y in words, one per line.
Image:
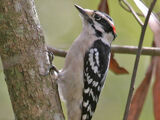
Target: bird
column 82, row 78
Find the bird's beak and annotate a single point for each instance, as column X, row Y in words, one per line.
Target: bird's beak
column 86, row 13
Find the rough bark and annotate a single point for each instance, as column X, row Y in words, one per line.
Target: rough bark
column 24, row 58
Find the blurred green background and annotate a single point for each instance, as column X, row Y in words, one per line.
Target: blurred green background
column 61, row 24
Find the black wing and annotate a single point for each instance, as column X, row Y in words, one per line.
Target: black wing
column 96, row 63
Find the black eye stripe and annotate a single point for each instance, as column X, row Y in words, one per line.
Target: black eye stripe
column 106, row 26
column 103, row 22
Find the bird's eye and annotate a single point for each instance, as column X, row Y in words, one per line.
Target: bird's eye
column 97, row 17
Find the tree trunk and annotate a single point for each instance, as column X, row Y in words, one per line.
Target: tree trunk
column 24, row 58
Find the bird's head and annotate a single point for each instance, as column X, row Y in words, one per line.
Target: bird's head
column 98, row 22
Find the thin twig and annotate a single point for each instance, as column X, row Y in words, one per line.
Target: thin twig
column 127, row 9
column 151, row 51
column 132, row 11
column 137, row 61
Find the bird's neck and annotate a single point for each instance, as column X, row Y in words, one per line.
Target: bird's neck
column 90, row 32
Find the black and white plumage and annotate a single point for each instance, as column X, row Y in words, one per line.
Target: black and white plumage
column 96, row 62
column 81, row 80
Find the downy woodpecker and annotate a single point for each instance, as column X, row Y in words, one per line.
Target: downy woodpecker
column 86, row 65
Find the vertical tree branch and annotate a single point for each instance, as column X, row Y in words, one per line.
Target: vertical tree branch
column 24, row 59
column 137, row 61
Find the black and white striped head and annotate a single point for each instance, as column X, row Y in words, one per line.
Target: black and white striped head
column 98, row 22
